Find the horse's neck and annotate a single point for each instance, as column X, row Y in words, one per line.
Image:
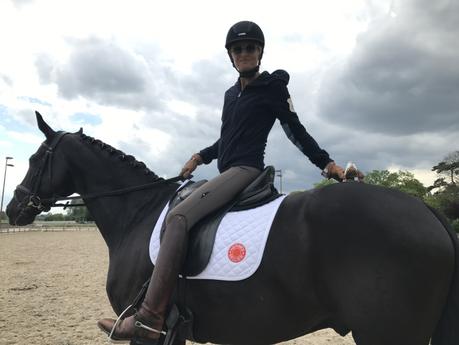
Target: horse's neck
column 94, row 171
column 133, row 214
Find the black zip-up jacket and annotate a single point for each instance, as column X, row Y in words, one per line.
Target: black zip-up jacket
column 247, row 119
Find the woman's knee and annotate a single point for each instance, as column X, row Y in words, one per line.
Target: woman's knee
column 176, row 218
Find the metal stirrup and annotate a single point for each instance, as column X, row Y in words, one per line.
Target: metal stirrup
column 141, row 325
column 117, row 322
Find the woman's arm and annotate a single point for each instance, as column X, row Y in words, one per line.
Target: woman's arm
column 298, row 135
column 204, row 156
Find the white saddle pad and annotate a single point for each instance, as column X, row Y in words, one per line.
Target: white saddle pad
column 239, row 243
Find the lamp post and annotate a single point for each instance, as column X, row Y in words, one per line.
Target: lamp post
column 279, row 172
column 4, row 180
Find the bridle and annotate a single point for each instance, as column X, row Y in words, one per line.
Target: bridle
column 31, row 200
column 32, row 203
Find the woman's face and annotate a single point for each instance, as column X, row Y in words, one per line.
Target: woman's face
column 246, row 55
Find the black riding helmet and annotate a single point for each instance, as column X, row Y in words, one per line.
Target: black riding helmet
column 245, row 31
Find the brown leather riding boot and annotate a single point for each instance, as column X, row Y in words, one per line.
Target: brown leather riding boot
column 147, row 323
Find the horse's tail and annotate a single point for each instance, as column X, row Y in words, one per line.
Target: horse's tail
column 447, row 330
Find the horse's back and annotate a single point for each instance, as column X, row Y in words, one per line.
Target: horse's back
column 358, row 216
column 380, row 256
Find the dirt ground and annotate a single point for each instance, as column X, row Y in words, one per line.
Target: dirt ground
column 52, row 290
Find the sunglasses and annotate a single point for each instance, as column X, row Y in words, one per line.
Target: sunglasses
column 248, row 48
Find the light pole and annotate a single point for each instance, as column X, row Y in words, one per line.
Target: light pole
column 4, row 180
column 279, row 172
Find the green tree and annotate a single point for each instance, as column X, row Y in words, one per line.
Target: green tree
column 78, row 213
column 324, row 182
column 445, row 190
column 54, row 217
column 401, row 180
column 448, row 169
column 381, row 178
column 449, row 201
column 455, row 224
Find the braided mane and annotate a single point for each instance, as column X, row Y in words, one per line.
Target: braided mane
column 129, row 159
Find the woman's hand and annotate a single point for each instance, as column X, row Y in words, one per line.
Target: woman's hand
column 191, row 165
column 332, row 170
column 352, row 173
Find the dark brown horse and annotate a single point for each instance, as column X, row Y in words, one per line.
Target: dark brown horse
column 351, row 256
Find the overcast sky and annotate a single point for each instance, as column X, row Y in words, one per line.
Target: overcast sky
column 374, row 82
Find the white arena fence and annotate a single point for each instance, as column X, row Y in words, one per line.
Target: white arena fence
column 5, row 228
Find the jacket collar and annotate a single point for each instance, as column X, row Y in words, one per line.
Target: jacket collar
column 261, row 80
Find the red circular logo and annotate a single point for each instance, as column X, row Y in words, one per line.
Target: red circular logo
column 236, row 253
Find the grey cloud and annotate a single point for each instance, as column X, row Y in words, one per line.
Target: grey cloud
column 21, row 3
column 188, row 134
column 104, row 72
column 45, row 67
column 294, row 37
column 168, row 164
column 204, row 88
column 24, row 116
column 7, row 80
column 403, row 76
column 208, row 81
column 34, row 100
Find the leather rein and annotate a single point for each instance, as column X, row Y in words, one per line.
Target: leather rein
column 32, row 200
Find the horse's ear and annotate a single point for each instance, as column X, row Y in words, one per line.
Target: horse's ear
column 80, row 132
column 44, row 127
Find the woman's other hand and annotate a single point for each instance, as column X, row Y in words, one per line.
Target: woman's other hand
column 191, row 165
column 334, row 171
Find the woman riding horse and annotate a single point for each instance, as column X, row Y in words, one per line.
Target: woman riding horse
column 250, row 109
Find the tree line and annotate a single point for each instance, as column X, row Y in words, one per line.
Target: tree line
column 79, row 214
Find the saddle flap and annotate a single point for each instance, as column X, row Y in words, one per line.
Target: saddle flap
column 184, row 192
column 181, row 194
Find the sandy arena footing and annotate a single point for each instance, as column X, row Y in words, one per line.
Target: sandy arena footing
column 52, row 290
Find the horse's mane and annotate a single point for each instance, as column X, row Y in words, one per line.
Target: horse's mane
column 128, row 159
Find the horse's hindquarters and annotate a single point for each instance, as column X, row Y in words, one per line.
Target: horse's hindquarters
column 385, row 264
column 352, row 257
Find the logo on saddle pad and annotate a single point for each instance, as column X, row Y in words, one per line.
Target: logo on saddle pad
column 236, row 253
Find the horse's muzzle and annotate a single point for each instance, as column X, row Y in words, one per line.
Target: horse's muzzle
column 23, row 212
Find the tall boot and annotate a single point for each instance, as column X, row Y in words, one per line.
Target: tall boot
column 147, row 323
